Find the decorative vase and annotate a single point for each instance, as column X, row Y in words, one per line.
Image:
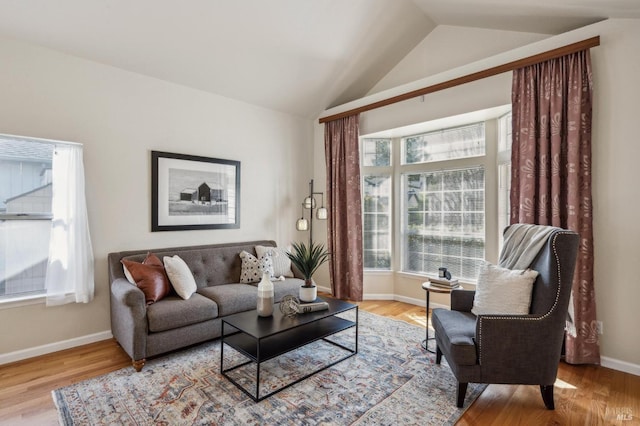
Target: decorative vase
column 265, row 296
column 308, row 294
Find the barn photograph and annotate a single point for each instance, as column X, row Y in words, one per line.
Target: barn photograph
column 193, row 192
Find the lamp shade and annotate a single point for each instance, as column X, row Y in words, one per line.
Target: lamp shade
column 309, row 203
column 302, row 224
column 322, row 213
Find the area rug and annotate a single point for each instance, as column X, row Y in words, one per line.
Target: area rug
column 390, row 381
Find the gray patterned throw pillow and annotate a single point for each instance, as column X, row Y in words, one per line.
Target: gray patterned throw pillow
column 253, row 267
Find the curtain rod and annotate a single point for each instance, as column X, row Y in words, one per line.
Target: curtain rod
column 489, row 72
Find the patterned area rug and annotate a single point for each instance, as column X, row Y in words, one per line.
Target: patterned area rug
column 391, row 381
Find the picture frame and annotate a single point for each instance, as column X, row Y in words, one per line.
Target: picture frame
column 190, row 192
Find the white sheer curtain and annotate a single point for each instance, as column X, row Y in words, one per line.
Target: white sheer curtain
column 70, row 269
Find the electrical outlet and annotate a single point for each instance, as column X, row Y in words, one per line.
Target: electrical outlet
column 599, row 327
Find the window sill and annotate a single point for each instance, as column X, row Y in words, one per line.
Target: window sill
column 377, row 272
column 417, row 277
column 17, row 302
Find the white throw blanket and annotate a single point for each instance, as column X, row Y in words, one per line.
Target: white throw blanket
column 522, row 243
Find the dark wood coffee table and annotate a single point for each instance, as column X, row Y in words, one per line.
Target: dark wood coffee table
column 261, row 339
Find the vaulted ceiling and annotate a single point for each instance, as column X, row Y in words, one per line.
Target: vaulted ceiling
column 295, row 56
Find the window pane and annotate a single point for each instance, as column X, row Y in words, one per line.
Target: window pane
column 376, row 221
column 504, row 174
column 474, row 201
column 459, row 142
column 452, row 201
column 504, row 137
column 25, row 209
column 450, row 230
column 376, row 152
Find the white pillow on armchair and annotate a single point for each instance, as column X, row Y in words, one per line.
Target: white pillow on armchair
column 503, row 291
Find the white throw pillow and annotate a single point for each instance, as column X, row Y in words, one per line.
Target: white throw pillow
column 180, row 276
column 281, row 262
column 253, row 267
column 503, row 291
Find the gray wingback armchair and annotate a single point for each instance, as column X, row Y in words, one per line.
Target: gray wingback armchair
column 512, row 349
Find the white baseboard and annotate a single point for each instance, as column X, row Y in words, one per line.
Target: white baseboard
column 324, row 289
column 616, row 364
column 409, row 300
column 54, row 347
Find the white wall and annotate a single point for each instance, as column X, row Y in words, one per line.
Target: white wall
column 448, row 47
column 616, row 66
column 120, row 117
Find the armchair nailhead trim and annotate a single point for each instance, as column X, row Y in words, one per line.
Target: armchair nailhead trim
column 524, row 318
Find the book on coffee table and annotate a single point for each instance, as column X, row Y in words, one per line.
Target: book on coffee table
column 312, row 307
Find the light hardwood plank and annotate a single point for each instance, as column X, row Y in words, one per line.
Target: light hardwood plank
column 584, row 395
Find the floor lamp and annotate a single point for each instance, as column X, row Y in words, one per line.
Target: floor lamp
column 309, row 203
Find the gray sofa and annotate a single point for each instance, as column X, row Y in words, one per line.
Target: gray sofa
column 172, row 323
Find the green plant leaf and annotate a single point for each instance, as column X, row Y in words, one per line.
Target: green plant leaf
column 308, row 258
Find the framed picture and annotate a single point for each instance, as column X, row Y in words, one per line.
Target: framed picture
column 190, row 192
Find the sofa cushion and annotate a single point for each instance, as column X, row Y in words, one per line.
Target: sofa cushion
column 232, row 298
column 180, row 276
column 150, row 277
column 456, row 331
column 174, row 312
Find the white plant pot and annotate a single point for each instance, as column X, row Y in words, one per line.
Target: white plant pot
column 308, row 294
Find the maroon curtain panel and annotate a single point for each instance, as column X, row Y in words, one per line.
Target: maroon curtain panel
column 551, row 175
column 344, row 239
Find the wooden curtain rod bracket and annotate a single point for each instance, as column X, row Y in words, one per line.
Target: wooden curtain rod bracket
column 489, row 72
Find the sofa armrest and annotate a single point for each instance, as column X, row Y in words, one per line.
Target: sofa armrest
column 127, row 294
column 462, row 300
column 521, row 349
column 129, row 318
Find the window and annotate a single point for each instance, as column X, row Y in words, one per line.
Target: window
column 444, row 223
column 25, row 215
column 447, row 186
column 377, row 202
column 443, row 208
column 377, row 221
column 461, row 142
column 376, row 152
column 44, row 227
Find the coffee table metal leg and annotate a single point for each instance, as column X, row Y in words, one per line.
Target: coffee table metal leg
column 258, row 370
column 356, row 330
column 222, row 349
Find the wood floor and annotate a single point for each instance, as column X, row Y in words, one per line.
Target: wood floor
column 584, row 395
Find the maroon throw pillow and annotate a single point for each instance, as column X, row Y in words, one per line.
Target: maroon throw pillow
column 152, row 260
column 150, row 277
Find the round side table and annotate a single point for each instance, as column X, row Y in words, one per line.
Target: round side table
column 428, row 288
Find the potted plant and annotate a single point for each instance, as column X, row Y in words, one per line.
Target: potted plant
column 307, row 259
